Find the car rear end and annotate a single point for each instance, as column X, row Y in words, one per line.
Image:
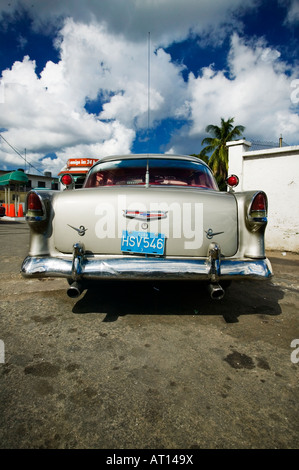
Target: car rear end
column 147, row 230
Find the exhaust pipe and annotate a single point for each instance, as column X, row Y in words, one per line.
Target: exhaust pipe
column 216, row 291
column 75, row 290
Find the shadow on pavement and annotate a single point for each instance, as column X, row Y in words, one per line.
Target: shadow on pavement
column 179, row 298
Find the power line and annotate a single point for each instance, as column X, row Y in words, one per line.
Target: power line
column 20, row 155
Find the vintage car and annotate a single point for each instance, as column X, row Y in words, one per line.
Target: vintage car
column 147, row 217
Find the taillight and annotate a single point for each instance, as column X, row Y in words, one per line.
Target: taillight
column 232, row 181
column 258, row 208
column 66, row 179
column 34, row 202
column 259, row 203
column 34, row 207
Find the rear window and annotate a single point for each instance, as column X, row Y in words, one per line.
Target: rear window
column 154, row 172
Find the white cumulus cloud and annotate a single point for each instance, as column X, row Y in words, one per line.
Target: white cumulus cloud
column 255, row 90
column 47, row 113
column 103, row 61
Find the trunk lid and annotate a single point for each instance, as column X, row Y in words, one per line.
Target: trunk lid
column 190, row 219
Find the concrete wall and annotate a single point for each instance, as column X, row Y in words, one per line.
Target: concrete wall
column 275, row 171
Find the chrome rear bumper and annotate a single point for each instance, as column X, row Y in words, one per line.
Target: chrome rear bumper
column 139, row 268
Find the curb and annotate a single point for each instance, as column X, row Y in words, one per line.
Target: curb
column 14, row 219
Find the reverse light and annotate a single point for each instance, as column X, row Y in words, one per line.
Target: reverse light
column 232, row 181
column 66, row 179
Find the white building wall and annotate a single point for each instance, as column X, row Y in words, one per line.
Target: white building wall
column 35, row 179
column 275, row 171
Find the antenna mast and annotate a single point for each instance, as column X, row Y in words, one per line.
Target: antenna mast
column 148, row 84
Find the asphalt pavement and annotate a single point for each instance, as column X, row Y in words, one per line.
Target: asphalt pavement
column 147, row 366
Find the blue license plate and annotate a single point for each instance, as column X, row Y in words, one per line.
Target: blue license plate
column 142, row 242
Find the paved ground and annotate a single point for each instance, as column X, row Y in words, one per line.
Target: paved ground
column 151, row 366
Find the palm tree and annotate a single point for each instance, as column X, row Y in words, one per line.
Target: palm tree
column 216, row 145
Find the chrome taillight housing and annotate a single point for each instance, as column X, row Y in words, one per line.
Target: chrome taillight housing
column 259, row 205
column 258, row 210
column 34, row 207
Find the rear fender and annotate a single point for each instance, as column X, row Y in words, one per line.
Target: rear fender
column 40, row 223
column 251, row 235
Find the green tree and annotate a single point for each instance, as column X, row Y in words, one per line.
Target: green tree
column 216, row 146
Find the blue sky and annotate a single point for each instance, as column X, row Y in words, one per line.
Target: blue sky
column 75, row 76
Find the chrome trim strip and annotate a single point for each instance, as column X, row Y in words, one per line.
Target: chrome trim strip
column 144, row 215
column 139, row 268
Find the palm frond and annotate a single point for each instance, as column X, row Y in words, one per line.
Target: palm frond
column 216, row 145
